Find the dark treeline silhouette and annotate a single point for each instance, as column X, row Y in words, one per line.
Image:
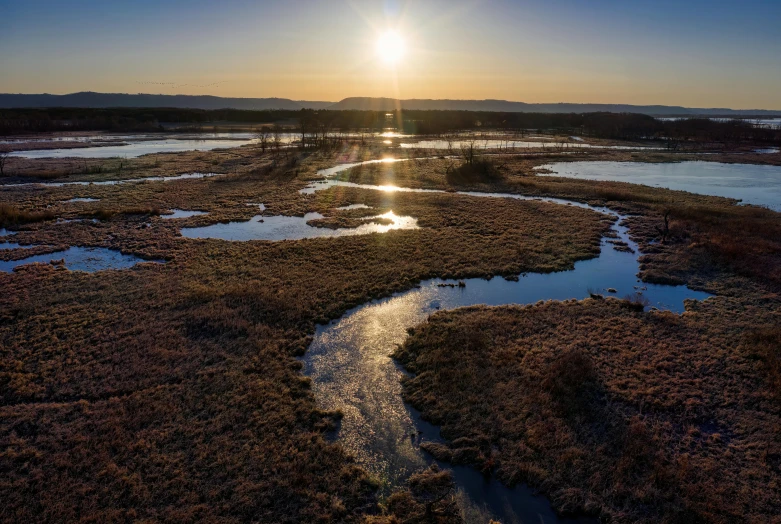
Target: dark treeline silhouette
column 318, row 125
column 13, row 121
column 622, row 126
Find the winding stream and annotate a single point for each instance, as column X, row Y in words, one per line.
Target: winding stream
column 351, row 368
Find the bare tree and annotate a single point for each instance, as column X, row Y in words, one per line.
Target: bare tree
column 449, row 140
column 664, row 232
column 3, row 158
column 277, row 140
column 264, row 138
column 469, row 152
column 305, row 121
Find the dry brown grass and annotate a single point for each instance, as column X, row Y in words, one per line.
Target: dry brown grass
column 765, row 345
column 645, row 417
column 11, row 215
column 430, row 496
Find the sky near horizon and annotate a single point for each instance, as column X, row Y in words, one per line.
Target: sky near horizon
column 716, row 53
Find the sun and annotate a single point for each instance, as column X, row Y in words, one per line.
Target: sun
column 390, row 47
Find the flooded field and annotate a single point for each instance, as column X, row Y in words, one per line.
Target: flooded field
column 749, row 183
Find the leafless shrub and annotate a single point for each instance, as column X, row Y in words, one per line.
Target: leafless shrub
column 636, row 302
column 3, row 159
column 264, row 138
column 12, row 215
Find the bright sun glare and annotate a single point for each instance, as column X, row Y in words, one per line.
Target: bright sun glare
column 390, row 47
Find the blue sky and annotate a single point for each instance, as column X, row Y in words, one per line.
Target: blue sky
column 705, row 54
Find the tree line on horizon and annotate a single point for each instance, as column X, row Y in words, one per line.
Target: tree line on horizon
column 624, row 126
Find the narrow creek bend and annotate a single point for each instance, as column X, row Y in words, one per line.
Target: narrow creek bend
column 351, row 369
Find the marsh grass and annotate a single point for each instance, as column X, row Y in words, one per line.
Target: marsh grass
column 610, row 411
column 172, row 392
column 765, row 344
column 430, row 496
column 108, row 213
column 11, row 215
column 479, row 171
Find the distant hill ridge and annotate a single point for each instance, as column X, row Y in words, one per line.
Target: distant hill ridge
column 388, row 104
column 89, row 99
column 101, row 100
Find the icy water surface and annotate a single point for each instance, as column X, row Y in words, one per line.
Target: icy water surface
column 351, row 369
column 133, row 146
column 182, row 213
column 750, row 183
column 294, row 228
column 89, row 259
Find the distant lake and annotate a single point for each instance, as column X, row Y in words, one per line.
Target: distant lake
column 764, row 122
column 752, row 184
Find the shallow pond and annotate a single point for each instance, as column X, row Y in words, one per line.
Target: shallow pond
column 351, row 369
column 82, row 199
column 353, row 206
column 752, row 184
column 182, row 213
column 89, row 259
column 294, row 228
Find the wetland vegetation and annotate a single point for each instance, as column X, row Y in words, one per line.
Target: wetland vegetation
column 174, row 391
